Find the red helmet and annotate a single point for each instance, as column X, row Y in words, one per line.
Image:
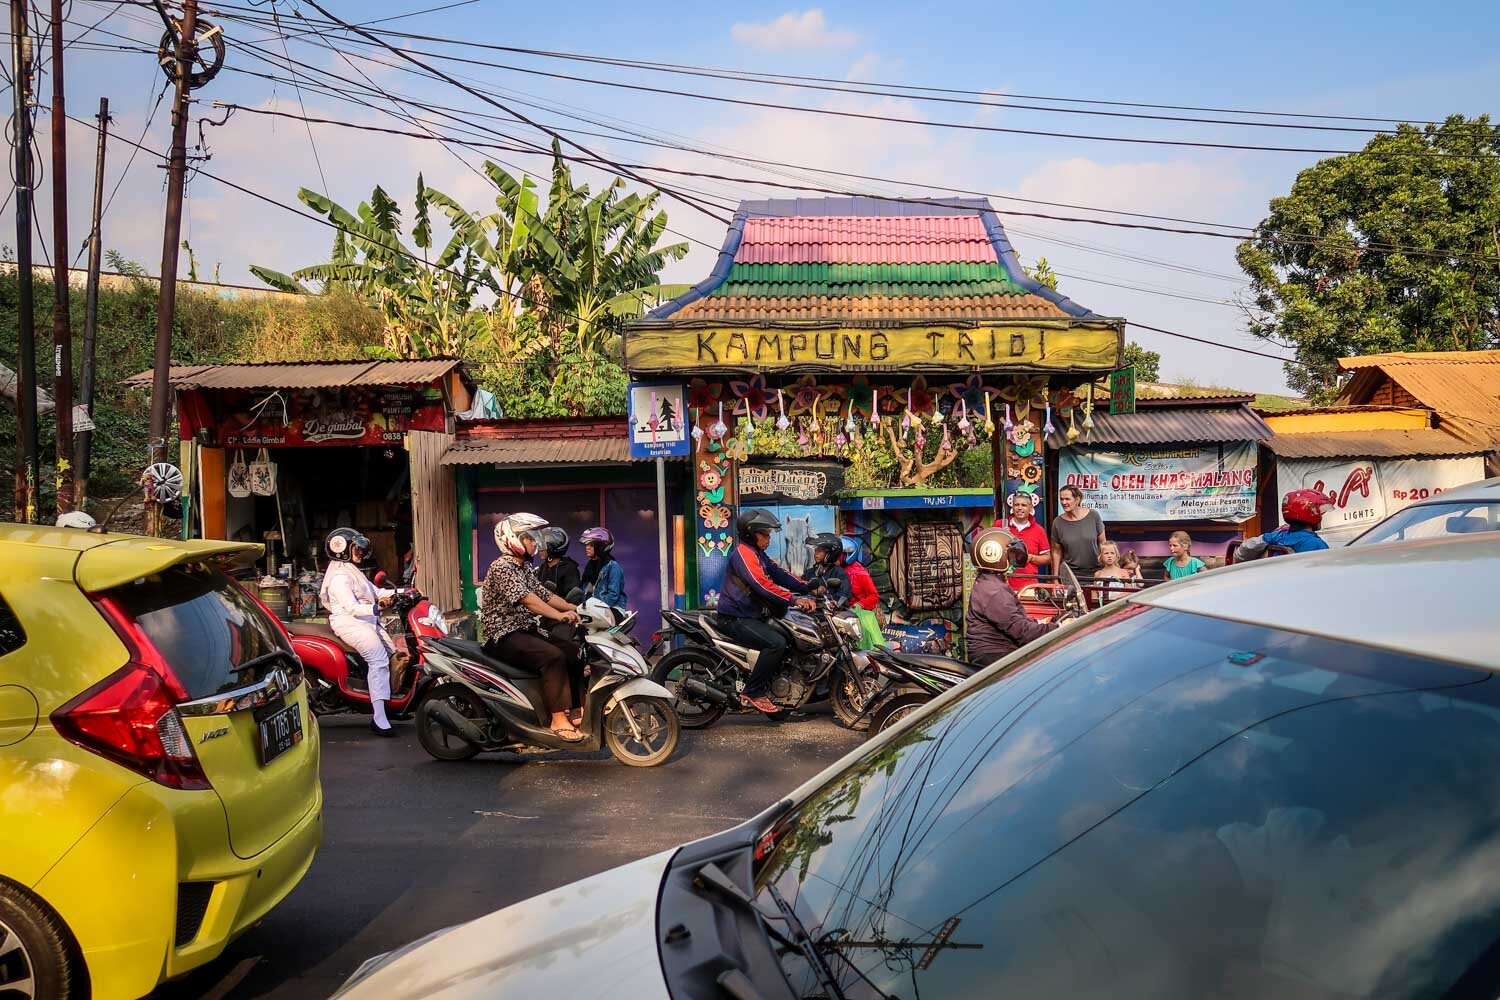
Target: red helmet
column 1306, row 506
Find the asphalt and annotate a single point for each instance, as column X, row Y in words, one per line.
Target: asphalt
column 412, row 845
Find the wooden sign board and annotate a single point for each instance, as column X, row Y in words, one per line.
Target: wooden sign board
column 1122, row 391
column 853, row 348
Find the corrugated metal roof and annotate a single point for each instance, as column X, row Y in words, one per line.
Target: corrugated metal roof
column 532, row 452
column 1464, row 390
column 301, row 374
column 1372, row 444
column 863, row 307
column 1187, row 425
column 1420, row 358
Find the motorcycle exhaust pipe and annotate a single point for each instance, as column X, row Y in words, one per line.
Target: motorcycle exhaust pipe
column 450, row 720
column 708, row 692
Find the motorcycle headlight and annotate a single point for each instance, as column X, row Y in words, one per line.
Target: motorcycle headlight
column 849, row 625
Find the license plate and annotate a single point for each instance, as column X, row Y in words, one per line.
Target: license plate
column 279, row 732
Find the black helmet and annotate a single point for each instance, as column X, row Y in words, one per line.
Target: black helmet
column 554, row 542
column 341, row 543
column 828, row 543
column 753, row 520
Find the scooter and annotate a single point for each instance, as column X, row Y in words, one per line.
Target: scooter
column 708, row 672
column 337, row 676
column 469, row 702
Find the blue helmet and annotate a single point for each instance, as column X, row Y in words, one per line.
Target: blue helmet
column 851, row 548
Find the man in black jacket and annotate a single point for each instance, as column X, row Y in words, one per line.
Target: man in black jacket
column 997, row 624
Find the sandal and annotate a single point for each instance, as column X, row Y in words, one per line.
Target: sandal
column 576, row 717
column 569, row 735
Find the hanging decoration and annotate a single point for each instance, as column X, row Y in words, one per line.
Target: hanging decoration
column 782, row 423
column 1047, row 428
column 806, row 395
column 861, row 397
column 875, row 407
column 702, row 396
column 1024, row 392
column 750, row 397
column 989, row 420
column 718, row 429
column 1009, row 424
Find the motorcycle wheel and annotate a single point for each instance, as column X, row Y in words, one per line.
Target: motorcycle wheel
column 692, row 713
column 438, row 741
column 894, row 711
column 659, row 726
column 842, row 695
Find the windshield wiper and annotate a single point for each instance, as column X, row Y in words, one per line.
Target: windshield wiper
column 710, row 879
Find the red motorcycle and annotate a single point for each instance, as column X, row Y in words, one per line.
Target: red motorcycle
column 337, row 675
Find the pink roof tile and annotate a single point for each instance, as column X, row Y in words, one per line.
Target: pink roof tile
column 923, row 252
column 865, row 229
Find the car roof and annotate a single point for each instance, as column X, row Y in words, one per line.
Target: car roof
column 1427, row 598
column 1485, row 489
column 105, row 561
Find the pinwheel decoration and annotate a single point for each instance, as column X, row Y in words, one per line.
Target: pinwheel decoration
column 1024, row 392
column 806, row 395
column 750, row 397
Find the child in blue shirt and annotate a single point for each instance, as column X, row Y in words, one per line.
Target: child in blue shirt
column 1182, row 562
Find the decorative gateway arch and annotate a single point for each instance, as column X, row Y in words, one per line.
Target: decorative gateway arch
column 895, row 353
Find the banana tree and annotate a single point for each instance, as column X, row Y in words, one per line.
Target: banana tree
column 428, row 304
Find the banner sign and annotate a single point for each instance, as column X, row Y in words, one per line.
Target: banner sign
column 658, row 424
column 789, row 481
column 302, row 417
column 1194, row 483
column 1365, row 491
column 1094, row 347
column 1122, row 391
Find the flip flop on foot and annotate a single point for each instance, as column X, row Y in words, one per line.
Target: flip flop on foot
column 760, row 703
column 569, row 735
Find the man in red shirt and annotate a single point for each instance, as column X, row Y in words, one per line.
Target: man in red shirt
column 1024, row 526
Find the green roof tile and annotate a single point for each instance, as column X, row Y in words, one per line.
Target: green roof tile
column 939, row 280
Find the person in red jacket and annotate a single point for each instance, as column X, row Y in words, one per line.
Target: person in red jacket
column 1023, row 525
column 862, row 587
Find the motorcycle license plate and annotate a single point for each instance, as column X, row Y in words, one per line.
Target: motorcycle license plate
column 279, row 732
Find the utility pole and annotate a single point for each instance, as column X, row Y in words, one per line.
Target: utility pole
column 84, row 442
column 166, row 306
column 62, row 318
column 28, row 462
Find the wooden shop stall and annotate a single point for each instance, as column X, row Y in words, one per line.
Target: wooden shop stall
column 283, row 453
column 873, row 368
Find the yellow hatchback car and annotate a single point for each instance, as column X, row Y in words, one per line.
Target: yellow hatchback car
column 158, row 764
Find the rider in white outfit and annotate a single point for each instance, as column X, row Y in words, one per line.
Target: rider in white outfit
column 353, row 614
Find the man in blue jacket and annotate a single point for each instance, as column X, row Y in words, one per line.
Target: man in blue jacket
column 755, row 588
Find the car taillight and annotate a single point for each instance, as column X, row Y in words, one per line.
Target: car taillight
column 130, row 717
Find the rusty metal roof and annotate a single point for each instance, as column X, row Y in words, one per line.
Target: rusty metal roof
column 1463, row 386
column 1420, row 358
column 1416, row 443
column 532, row 453
column 302, row 374
column 1171, row 425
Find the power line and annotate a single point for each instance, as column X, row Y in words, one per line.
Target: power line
column 895, row 119
column 518, row 297
column 317, row 160
column 984, row 98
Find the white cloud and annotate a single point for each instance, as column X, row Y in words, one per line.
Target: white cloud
column 806, row 30
column 1170, row 187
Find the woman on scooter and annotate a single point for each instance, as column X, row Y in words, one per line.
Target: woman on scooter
column 603, row 577
column 512, row 604
column 353, row 602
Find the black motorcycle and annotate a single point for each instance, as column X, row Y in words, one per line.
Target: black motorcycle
column 707, row 673
column 909, row 681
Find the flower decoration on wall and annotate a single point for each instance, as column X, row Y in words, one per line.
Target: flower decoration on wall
column 803, row 396
column 714, row 516
column 750, row 397
column 736, row 449
column 972, row 391
column 702, row 395
column 889, row 400
column 1024, row 392
column 921, row 397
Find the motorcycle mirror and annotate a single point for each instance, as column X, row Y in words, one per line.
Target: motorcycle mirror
column 380, row 578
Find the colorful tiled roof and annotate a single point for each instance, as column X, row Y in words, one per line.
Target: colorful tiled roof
column 866, row 259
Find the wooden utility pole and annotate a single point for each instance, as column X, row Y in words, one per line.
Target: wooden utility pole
column 28, row 462
column 166, row 305
column 83, row 443
column 62, row 318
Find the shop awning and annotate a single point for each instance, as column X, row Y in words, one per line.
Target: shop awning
column 1154, row 424
column 536, row 453
column 302, row 374
column 1416, row 443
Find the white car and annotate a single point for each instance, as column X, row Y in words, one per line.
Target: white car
column 1463, row 510
column 1276, row 779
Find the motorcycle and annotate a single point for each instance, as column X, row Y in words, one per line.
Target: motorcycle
column 338, row 676
column 707, row 674
column 469, row 702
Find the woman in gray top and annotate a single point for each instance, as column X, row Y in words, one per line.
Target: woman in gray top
column 1077, row 534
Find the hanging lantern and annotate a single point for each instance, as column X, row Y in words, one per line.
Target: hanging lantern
column 875, row 407
column 1088, row 411
column 697, row 435
column 849, row 427
column 989, row 422
column 1047, row 428
column 964, row 427
column 782, row 423
column 719, row 428
column 947, row 439
column 1072, row 427
column 802, row 434
column 1009, row 424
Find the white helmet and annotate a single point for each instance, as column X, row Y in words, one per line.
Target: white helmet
column 75, row 519
column 511, row 531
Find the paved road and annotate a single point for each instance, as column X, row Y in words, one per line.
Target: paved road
column 412, row 845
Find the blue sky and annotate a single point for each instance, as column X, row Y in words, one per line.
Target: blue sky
column 1376, row 59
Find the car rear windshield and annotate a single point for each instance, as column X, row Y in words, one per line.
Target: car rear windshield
column 211, row 633
column 1168, row 806
column 1435, row 520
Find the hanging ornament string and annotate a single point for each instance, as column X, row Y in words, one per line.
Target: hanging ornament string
column 875, row 407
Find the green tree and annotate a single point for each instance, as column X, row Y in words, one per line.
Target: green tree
column 1395, row 247
column 1147, row 363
